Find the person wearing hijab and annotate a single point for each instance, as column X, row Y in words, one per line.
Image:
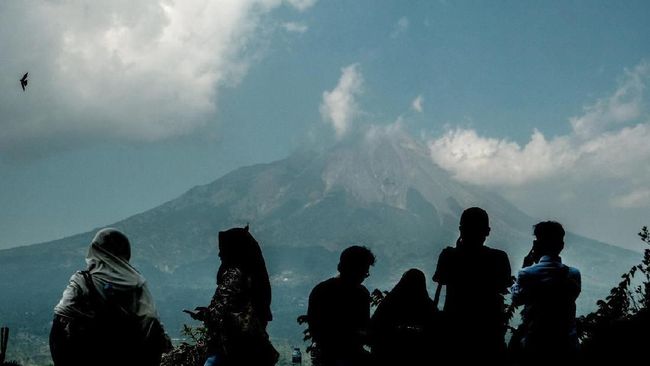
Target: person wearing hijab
column 240, row 309
column 402, row 327
column 107, row 315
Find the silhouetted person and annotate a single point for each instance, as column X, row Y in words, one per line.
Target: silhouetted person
column 476, row 278
column 339, row 312
column 106, row 315
column 240, row 309
column 23, row 81
column 403, row 326
column 548, row 290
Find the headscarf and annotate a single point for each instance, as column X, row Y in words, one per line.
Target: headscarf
column 407, row 301
column 111, row 273
column 238, row 248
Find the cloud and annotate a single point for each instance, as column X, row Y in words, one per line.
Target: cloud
column 610, row 141
column 339, row 106
column 295, row 27
column 623, row 106
column 120, row 70
column 302, row 5
column 638, row 198
column 490, row 161
column 400, row 27
column 416, row 105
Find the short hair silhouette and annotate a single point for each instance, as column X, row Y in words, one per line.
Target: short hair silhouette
column 474, row 218
column 550, row 237
column 354, row 258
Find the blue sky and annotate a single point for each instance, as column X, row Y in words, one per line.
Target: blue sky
column 130, row 107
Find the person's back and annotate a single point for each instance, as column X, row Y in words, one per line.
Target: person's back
column 339, row 311
column 403, row 327
column 476, row 278
column 548, row 290
column 240, row 308
column 106, row 315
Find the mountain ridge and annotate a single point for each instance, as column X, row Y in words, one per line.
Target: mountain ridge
column 383, row 192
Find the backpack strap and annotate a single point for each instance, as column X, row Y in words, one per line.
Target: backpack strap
column 95, row 296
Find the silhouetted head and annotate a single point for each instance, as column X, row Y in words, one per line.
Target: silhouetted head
column 354, row 264
column 114, row 242
column 238, row 248
column 413, row 284
column 549, row 238
column 474, row 227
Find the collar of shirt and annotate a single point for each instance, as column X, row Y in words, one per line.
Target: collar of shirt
column 550, row 258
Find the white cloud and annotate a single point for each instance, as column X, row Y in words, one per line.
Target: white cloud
column 623, row 106
column 638, row 198
column 117, row 69
column 339, row 106
column 400, row 27
column 492, row 161
column 595, row 178
column 609, row 142
column 295, row 27
column 416, row 105
column 302, row 5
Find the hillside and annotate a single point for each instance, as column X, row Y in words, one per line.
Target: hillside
column 383, row 192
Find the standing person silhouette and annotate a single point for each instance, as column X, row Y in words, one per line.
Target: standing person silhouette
column 339, row 312
column 240, row 309
column 476, row 278
column 403, row 325
column 107, row 315
column 548, row 290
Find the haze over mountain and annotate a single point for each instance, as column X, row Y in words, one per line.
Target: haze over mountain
column 381, row 190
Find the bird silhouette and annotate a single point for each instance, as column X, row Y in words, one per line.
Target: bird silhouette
column 23, row 81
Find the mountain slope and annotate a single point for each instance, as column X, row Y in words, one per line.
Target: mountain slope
column 383, row 191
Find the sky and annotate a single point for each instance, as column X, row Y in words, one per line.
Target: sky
column 130, row 104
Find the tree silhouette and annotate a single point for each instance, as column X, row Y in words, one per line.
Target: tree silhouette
column 618, row 329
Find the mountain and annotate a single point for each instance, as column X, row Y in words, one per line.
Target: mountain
column 382, row 191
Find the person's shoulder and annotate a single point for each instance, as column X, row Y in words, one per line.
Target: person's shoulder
column 326, row 285
column 573, row 271
column 364, row 290
column 232, row 274
column 449, row 251
column 77, row 277
column 447, row 254
column 527, row 271
column 495, row 253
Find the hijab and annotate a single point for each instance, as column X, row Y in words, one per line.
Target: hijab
column 407, row 301
column 238, row 249
column 113, row 276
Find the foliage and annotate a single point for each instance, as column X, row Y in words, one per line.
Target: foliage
column 619, row 325
column 625, row 301
column 191, row 352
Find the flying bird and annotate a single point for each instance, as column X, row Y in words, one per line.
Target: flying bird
column 23, row 81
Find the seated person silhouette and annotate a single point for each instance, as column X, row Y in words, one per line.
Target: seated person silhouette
column 476, row 278
column 548, row 290
column 339, row 311
column 402, row 327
